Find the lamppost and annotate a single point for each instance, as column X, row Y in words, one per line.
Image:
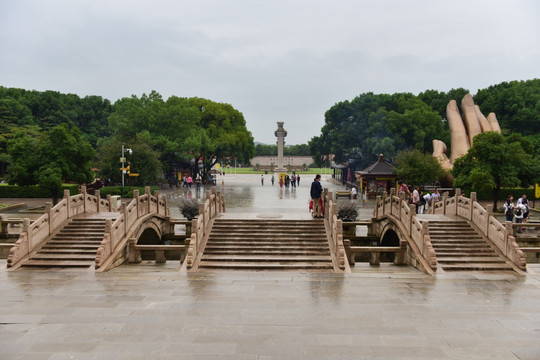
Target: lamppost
column 123, row 160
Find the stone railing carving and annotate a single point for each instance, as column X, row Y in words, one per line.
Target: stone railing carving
column 334, row 231
column 500, row 235
column 116, row 232
column 213, row 205
column 33, row 234
column 404, row 215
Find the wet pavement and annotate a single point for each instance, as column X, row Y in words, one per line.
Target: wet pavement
column 150, row 311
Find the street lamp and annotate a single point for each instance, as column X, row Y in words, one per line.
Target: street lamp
column 123, row 160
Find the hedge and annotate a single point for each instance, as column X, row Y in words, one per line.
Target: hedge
column 35, row 191
column 503, row 194
column 128, row 191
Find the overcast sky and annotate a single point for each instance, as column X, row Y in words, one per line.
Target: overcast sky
column 272, row 60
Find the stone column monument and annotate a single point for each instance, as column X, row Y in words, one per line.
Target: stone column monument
column 280, row 134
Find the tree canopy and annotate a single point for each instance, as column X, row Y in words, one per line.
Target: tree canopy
column 495, row 161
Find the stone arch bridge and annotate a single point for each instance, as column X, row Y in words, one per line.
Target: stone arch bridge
column 85, row 231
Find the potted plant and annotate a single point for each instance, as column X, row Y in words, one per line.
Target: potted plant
column 190, row 209
column 348, row 212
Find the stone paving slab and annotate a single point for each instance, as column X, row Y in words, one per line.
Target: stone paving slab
column 153, row 311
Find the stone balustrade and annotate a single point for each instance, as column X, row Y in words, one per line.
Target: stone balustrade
column 33, row 234
column 213, row 205
column 334, row 230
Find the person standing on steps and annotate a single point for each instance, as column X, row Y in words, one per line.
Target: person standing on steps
column 316, row 191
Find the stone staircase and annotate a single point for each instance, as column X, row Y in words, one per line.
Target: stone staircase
column 459, row 247
column 74, row 246
column 267, row 245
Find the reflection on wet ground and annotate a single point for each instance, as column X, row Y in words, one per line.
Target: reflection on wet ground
column 245, row 194
column 150, row 311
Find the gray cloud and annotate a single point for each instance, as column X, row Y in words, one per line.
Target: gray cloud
column 273, row 61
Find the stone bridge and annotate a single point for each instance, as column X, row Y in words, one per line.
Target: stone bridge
column 456, row 234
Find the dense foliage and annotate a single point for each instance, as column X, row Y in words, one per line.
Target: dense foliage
column 292, row 150
column 373, row 124
column 418, row 168
column 370, row 124
column 59, row 133
column 495, row 161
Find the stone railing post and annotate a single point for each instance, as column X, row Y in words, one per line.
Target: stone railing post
column 98, row 198
column 26, row 229
column 202, row 217
column 148, row 196
column 378, row 200
column 83, row 192
column 194, row 226
column 136, row 197
column 445, row 199
column 457, row 196
column 156, row 195
column 109, row 201
column 67, row 196
column 489, row 213
column 412, row 213
column 425, row 231
column 509, row 232
column 48, row 208
column 473, row 200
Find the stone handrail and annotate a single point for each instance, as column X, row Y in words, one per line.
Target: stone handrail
column 405, row 215
column 33, row 234
column 213, row 205
column 116, row 232
column 500, row 235
column 334, row 230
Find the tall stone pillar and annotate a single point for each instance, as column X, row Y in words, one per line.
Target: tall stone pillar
column 280, row 134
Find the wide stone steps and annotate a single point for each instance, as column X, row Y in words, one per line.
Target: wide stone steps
column 74, row 246
column 267, row 245
column 459, row 247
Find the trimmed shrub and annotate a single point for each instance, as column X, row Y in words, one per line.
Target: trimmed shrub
column 504, row 192
column 128, row 191
column 189, row 208
column 34, row 191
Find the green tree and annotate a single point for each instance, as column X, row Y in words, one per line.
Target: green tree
column 65, row 147
column 143, row 160
column 50, row 178
column 418, row 168
column 494, row 162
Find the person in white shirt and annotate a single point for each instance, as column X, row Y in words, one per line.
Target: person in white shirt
column 353, row 193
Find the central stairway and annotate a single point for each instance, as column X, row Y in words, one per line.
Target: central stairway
column 459, row 247
column 74, row 246
column 267, row 245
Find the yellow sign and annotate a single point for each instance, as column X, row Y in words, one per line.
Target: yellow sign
column 124, row 169
column 537, row 191
column 133, row 174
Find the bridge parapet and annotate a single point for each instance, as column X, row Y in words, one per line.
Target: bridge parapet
column 116, row 232
column 213, row 205
column 501, row 236
column 33, row 234
column 334, row 230
column 417, row 233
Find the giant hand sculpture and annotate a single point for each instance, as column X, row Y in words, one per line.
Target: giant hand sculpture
column 463, row 130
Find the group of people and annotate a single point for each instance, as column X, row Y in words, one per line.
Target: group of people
column 187, row 182
column 520, row 211
column 287, row 180
column 418, row 198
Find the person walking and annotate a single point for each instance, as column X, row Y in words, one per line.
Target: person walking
column 298, row 180
column 262, row 179
column 316, row 191
column 509, row 208
column 273, row 180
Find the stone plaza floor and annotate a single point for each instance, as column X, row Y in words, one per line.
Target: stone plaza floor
column 150, row 311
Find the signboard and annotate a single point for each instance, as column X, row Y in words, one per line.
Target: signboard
column 537, row 191
column 133, row 174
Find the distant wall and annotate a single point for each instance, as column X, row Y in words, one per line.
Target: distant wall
column 296, row 161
